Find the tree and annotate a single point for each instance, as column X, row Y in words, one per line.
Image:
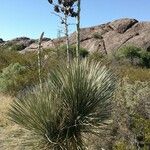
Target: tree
column 78, row 29
column 66, row 9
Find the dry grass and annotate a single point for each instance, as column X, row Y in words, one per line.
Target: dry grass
column 12, row 137
column 4, row 106
column 133, row 73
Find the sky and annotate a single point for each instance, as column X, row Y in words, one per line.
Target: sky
column 31, row 17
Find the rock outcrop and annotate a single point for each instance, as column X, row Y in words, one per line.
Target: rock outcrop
column 116, row 34
column 22, row 41
column 1, row 40
column 103, row 38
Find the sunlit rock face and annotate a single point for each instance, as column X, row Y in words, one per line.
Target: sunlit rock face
column 106, row 37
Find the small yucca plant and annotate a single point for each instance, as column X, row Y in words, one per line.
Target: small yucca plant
column 74, row 100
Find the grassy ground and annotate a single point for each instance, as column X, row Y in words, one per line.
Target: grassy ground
column 12, row 137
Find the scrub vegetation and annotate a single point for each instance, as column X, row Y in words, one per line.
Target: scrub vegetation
column 66, row 98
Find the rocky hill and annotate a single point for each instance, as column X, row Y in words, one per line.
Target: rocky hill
column 104, row 38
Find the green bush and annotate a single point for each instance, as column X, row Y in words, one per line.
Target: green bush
column 82, row 52
column 6, row 58
column 10, row 57
column 136, row 55
column 19, row 81
column 29, row 61
column 9, row 76
column 145, row 59
column 128, row 52
column 17, row 47
column 129, row 117
column 12, row 47
column 131, row 112
column 6, row 46
column 97, row 36
column 9, row 61
column 96, row 56
column 74, row 100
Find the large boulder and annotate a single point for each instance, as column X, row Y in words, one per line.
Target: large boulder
column 122, row 25
column 115, row 34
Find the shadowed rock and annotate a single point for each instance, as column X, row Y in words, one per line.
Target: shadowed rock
column 1, row 40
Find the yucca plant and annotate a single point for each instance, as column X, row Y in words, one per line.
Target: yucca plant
column 74, row 101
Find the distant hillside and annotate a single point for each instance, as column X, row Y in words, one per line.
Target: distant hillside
column 104, row 38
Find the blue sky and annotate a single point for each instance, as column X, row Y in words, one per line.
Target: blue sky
column 31, row 17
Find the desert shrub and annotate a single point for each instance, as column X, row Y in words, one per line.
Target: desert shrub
column 96, row 56
column 97, row 36
column 9, row 57
column 145, row 59
column 12, row 47
column 129, row 117
column 60, row 53
column 74, row 100
column 131, row 112
column 120, row 145
column 133, row 73
column 82, row 52
column 29, row 61
column 140, row 119
column 136, row 55
column 9, row 76
column 6, row 58
column 6, row 46
column 99, row 57
column 141, row 128
column 9, row 62
column 128, row 52
column 17, row 47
